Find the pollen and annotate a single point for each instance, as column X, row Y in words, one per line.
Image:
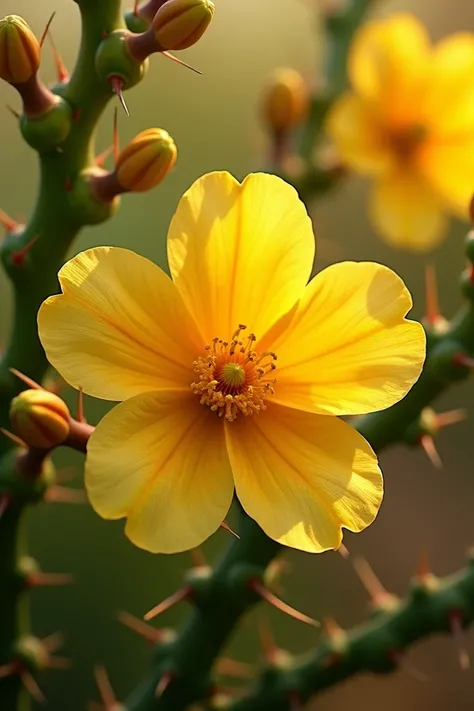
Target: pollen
column 233, row 378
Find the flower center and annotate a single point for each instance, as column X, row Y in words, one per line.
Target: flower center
column 233, row 377
column 406, row 140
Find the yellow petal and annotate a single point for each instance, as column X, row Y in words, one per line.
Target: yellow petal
column 119, row 328
column 448, row 165
column 407, row 212
column 160, row 459
column 359, row 136
column 240, row 253
column 449, row 103
column 389, row 64
column 346, row 348
column 303, row 477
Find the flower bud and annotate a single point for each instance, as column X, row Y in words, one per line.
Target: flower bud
column 179, row 24
column 286, row 100
column 146, row 161
column 19, row 50
column 40, row 418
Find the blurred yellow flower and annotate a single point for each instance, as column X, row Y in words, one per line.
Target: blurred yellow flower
column 409, row 125
column 203, row 411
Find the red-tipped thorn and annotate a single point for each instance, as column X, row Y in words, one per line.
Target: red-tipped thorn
column 135, row 8
column 30, row 684
column 171, row 601
column 80, row 406
column 180, row 61
column 12, row 111
column 117, row 87
column 102, row 157
column 61, row 69
column 164, row 683
column 451, row 417
column 5, row 501
column 18, row 257
column 233, row 668
column 455, row 619
column 7, row 222
column 229, row 530
column 106, row 692
column 64, row 495
column 428, row 444
column 378, row 594
column 294, row 700
column 41, row 580
column 46, row 29
column 432, row 308
column 13, row 438
column 151, row 634
column 25, row 379
column 402, row 663
column 342, row 550
column 275, row 601
column 198, row 558
column 116, row 140
column 464, row 360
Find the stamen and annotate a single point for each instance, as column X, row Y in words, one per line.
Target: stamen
column 229, row 382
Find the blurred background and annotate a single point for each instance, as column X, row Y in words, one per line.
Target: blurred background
column 215, row 122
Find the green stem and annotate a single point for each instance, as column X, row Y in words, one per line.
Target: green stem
column 54, row 224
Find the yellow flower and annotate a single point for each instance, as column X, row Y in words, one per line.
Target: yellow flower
column 193, row 358
column 409, row 125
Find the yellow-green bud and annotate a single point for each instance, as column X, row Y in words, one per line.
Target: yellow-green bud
column 40, row 418
column 20, row 51
column 146, row 160
column 286, row 100
column 179, row 24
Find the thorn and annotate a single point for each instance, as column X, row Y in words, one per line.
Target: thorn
column 378, row 594
column 32, row 687
column 117, row 87
column 331, row 629
column 102, row 157
column 80, row 406
column 64, row 495
column 428, row 444
column 8, row 670
column 19, row 256
column 54, row 385
column 116, row 142
column 343, row 551
column 273, row 573
column 7, row 222
column 135, row 8
column 106, row 692
column 463, row 360
column 151, row 634
column 61, row 69
column 432, row 308
column 53, row 642
column 268, row 644
column 423, row 571
column 459, row 637
column 451, row 417
column 39, row 580
column 46, row 30
column 402, row 663
column 12, row 111
column 229, row 530
column 163, row 684
column 63, row 476
column 25, row 379
column 294, row 700
column 180, row 61
column 273, row 600
column 5, row 501
column 171, row 601
column 198, row 558
column 59, row 663
column 13, row 438
column 231, row 667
